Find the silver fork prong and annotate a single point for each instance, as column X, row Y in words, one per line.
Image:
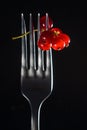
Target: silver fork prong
column 24, row 44
column 48, row 59
column 31, row 62
column 39, row 50
column 38, row 26
column 43, row 61
column 49, row 66
column 47, row 21
column 48, row 62
column 34, row 49
column 48, row 52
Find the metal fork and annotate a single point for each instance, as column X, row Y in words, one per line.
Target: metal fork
column 36, row 79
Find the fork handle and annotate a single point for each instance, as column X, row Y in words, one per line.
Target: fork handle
column 35, row 117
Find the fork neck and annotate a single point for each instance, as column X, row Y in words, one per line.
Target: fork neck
column 35, row 117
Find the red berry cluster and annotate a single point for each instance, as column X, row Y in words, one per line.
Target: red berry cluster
column 53, row 37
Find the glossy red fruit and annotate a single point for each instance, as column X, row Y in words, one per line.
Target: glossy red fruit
column 65, row 38
column 56, row 31
column 44, row 42
column 43, row 23
column 58, row 44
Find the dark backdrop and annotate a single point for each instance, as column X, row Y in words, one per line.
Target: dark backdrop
column 67, row 106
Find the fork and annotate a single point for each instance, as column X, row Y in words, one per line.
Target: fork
column 36, row 71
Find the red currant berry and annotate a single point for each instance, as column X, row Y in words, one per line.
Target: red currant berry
column 58, row 44
column 65, row 38
column 43, row 23
column 44, row 42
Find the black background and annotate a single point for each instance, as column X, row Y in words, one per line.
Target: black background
column 67, row 106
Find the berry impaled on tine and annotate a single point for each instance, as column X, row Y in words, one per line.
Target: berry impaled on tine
column 44, row 41
column 43, row 23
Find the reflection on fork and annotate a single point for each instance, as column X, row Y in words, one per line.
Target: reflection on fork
column 36, row 71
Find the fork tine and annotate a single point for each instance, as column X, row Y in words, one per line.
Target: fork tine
column 47, row 21
column 48, row 61
column 32, row 45
column 49, row 64
column 40, row 54
column 24, row 44
column 47, row 52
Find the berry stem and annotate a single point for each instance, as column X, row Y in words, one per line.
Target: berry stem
column 17, row 37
